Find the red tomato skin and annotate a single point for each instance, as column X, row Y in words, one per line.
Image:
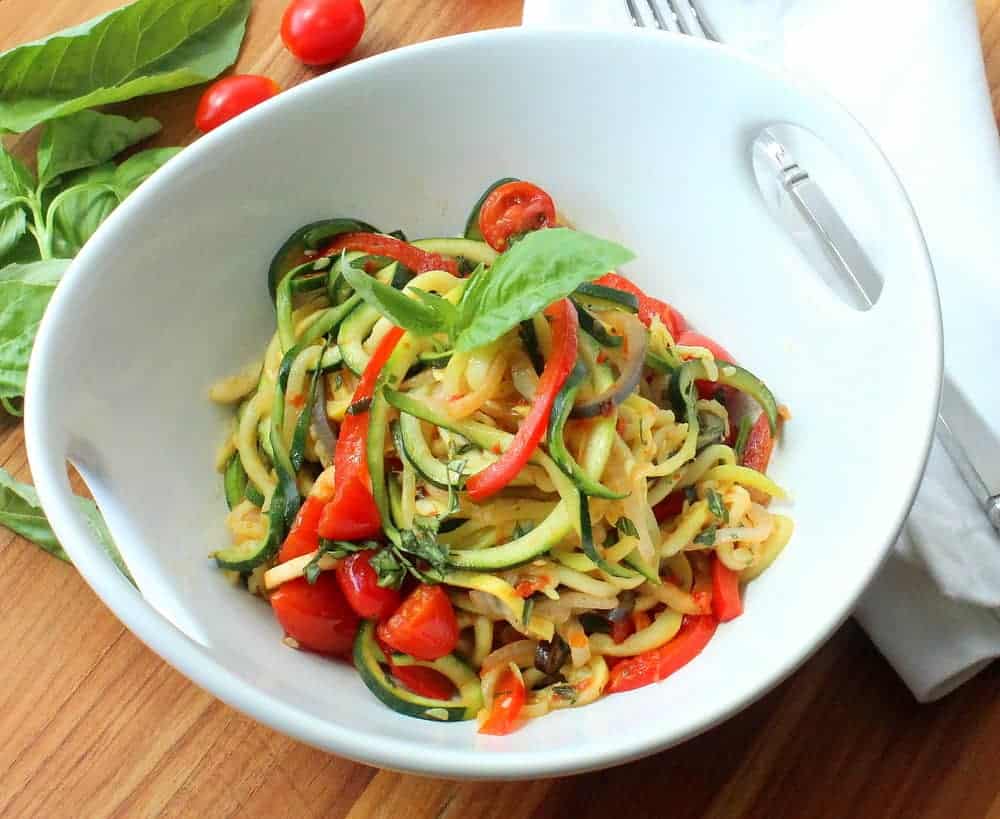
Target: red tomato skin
column 424, row 626
column 672, row 319
column 508, row 703
column 514, row 208
column 359, row 583
column 316, row 615
column 230, row 96
column 303, row 537
column 760, row 444
column 322, row 32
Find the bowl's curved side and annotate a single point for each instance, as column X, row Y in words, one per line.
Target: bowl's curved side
column 128, row 338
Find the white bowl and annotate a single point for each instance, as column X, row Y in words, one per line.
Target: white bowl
column 640, row 137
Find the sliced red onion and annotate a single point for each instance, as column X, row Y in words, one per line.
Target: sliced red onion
column 636, row 343
column 326, row 441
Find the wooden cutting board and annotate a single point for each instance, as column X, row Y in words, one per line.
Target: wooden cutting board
column 93, row 724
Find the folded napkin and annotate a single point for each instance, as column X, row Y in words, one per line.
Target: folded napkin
column 912, row 73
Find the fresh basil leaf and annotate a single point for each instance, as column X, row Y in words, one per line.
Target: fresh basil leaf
column 25, row 290
column 85, row 200
column 85, row 139
column 25, row 250
column 627, row 527
column 742, row 436
column 13, row 225
column 446, row 311
column 140, row 166
column 716, row 506
column 410, row 314
column 544, row 266
column 388, row 569
column 146, row 47
column 21, row 512
column 15, row 177
column 706, row 537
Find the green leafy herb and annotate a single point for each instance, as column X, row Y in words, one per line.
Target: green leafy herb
column 741, row 437
column 422, row 316
column 25, row 291
column 565, row 692
column 143, row 48
column 421, row 543
column 85, row 139
column 544, row 266
column 706, row 537
column 336, row 549
column 716, row 506
column 627, row 527
column 21, row 512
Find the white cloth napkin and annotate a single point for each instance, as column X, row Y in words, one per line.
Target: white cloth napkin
column 911, row 71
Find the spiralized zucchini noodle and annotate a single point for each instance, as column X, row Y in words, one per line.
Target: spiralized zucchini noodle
column 495, row 508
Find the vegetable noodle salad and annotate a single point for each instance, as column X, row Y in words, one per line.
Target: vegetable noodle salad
column 499, row 477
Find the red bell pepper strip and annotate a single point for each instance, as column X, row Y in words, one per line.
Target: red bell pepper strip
column 760, row 444
column 660, row 663
column 419, row 261
column 508, row 701
column 726, row 601
column 648, row 306
column 497, row 475
column 352, row 514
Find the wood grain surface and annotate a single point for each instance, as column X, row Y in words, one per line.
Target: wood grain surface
column 93, row 724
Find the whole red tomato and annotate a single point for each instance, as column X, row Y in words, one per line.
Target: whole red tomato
column 321, row 32
column 226, row 98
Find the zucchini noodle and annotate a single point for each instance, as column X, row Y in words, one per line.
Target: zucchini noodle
column 638, row 512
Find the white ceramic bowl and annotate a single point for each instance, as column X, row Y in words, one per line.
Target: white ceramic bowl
column 640, row 137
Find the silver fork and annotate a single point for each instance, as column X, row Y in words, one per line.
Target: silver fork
column 841, row 247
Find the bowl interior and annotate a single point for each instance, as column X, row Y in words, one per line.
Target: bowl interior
column 642, row 139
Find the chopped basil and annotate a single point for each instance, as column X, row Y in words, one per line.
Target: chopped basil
column 627, row 527
column 706, row 538
column 716, row 506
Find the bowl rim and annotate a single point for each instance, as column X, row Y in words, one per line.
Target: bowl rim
column 196, row 663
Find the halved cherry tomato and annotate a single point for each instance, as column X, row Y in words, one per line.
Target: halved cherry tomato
column 648, row 306
column 659, row 663
column 726, row 602
column 359, row 583
column 303, row 537
column 508, row 700
column 708, row 389
column 512, row 209
column 560, row 364
column 352, row 514
column 321, row 32
column 424, row 626
column 226, row 98
column 419, row 261
column 316, row 615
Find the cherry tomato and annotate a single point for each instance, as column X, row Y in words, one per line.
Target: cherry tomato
column 321, row 32
column 512, row 209
column 316, row 615
column 424, row 626
column 303, row 537
column 359, row 583
column 226, row 98
column 708, row 389
column 507, row 704
column 726, row 601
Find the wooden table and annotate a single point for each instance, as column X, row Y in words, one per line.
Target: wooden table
column 94, row 724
